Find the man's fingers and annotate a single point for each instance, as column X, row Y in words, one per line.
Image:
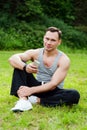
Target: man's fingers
column 21, row 87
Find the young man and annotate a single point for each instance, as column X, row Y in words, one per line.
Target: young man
column 51, row 69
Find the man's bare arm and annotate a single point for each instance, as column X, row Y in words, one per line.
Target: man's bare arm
column 17, row 60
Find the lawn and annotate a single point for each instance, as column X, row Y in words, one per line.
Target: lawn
column 42, row 118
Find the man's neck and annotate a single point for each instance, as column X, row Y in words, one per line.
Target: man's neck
column 50, row 53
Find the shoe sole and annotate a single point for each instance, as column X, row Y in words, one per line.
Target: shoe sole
column 17, row 110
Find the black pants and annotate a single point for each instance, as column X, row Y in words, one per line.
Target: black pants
column 50, row 98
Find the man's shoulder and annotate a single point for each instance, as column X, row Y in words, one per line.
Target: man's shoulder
column 33, row 50
column 64, row 59
column 32, row 53
column 64, row 55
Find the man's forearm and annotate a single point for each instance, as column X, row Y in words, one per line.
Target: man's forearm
column 16, row 62
column 27, row 91
column 43, row 88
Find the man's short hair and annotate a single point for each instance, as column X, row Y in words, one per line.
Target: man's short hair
column 54, row 29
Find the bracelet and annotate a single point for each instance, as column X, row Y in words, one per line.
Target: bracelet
column 24, row 68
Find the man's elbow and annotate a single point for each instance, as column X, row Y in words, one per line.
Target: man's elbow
column 54, row 85
column 10, row 60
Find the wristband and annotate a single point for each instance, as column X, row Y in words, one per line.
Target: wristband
column 24, row 68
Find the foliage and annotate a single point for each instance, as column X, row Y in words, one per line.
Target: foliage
column 22, row 35
column 9, row 40
column 42, row 118
column 22, row 23
column 30, row 10
column 70, row 11
column 80, row 12
column 59, row 9
column 82, row 28
column 74, row 38
column 70, row 36
column 24, row 10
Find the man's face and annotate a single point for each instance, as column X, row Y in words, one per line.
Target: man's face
column 51, row 40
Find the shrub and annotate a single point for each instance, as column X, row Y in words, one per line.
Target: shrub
column 22, row 35
column 71, row 36
column 9, row 41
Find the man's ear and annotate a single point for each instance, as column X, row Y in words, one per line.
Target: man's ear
column 59, row 41
column 43, row 38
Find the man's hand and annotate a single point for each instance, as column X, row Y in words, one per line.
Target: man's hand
column 31, row 68
column 24, row 91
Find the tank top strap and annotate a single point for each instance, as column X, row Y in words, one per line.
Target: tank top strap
column 57, row 57
column 40, row 56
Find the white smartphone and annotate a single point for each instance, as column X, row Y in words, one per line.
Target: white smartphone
column 36, row 62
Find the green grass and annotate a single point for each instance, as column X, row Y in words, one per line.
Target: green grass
column 42, row 118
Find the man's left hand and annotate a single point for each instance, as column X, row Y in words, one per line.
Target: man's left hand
column 24, row 91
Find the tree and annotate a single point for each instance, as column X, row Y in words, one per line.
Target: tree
column 22, row 9
column 80, row 12
column 59, row 9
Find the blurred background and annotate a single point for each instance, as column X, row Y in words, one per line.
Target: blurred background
column 23, row 22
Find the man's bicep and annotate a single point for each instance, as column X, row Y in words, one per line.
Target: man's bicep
column 60, row 73
column 30, row 54
column 27, row 55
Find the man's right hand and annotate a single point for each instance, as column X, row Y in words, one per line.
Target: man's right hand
column 31, row 68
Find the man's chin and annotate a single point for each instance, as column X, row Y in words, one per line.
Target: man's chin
column 48, row 49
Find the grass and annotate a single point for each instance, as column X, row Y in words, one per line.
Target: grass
column 42, row 118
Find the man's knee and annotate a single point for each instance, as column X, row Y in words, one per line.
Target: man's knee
column 76, row 96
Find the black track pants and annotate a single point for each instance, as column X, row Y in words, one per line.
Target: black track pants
column 50, row 98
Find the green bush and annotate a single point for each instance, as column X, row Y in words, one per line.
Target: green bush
column 72, row 37
column 82, row 28
column 75, row 39
column 22, row 35
column 9, row 40
column 31, row 35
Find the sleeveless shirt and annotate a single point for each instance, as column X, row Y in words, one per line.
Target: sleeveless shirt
column 45, row 73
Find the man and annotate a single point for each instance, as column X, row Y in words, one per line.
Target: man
column 47, row 88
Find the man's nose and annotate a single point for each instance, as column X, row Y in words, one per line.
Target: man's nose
column 49, row 42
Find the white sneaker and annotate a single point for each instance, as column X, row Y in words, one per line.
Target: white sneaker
column 22, row 105
column 32, row 99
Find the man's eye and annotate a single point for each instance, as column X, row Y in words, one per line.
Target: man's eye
column 47, row 39
column 53, row 40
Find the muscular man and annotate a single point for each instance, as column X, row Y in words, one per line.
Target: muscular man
column 46, row 88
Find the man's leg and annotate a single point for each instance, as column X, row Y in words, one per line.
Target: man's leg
column 21, row 78
column 59, row 97
column 18, row 79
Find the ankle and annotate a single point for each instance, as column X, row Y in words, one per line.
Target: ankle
column 24, row 98
column 38, row 100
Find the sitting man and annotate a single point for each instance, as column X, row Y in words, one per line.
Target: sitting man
column 51, row 66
